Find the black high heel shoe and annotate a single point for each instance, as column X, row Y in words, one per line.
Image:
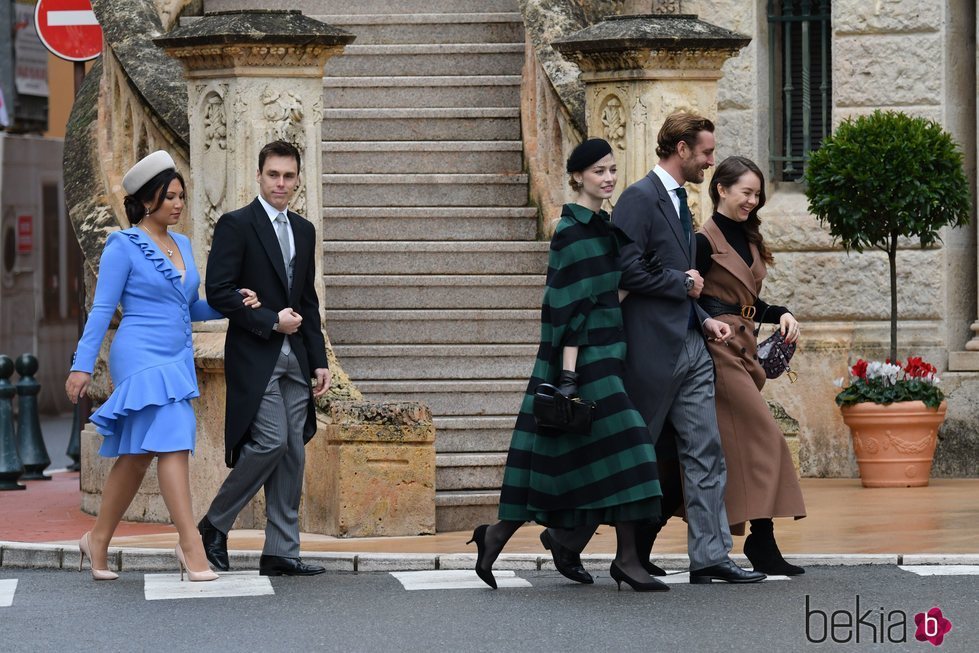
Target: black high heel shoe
column 620, row 576
column 479, row 537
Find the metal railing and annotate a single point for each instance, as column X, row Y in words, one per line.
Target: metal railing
column 799, row 50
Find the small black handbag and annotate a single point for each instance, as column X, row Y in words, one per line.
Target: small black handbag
column 774, row 353
column 553, row 410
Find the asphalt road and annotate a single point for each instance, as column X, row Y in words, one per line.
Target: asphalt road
column 59, row 610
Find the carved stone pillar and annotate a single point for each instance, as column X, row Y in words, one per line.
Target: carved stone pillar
column 639, row 69
column 252, row 77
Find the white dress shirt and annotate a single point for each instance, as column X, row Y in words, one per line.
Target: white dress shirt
column 273, row 214
column 671, row 186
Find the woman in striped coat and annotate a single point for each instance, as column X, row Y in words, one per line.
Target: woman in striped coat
column 608, row 476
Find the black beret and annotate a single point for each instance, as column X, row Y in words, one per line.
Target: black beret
column 588, row 153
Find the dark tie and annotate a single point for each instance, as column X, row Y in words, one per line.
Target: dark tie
column 685, row 220
column 687, row 223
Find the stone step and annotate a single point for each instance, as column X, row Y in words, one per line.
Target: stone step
column 422, row 189
column 447, row 398
column 425, row 59
column 422, row 157
column 431, row 362
column 464, row 510
column 469, row 471
column 450, row 124
column 326, row 7
column 434, row 257
column 439, row 223
column 421, row 92
column 468, row 434
column 431, row 326
column 434, row 291
column 428, row 28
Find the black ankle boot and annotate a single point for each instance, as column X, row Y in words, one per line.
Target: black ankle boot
column 762, row 551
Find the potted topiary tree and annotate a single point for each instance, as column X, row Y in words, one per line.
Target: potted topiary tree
column 874, row 180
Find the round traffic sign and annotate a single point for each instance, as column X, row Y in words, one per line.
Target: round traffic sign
column 68, row 29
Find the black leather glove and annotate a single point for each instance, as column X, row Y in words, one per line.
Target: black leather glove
column 651, row 262
column 567, row 383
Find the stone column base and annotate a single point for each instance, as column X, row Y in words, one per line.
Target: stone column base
column 370, row 471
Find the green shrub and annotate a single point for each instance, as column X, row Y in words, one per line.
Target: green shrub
column 877, row 178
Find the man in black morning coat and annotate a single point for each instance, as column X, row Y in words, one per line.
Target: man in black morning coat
column 270, row 356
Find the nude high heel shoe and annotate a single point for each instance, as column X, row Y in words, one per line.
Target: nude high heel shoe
column 193, row 576
column 85, row 549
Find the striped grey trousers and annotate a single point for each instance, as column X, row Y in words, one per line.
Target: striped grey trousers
column 273, row 457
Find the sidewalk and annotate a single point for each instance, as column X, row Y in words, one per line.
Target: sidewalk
column 844, row 518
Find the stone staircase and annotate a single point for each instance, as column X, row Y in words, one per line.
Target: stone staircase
column 433, row 271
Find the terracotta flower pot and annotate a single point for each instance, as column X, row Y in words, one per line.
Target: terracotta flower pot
column 894, row 443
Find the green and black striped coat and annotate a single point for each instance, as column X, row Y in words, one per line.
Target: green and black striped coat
column 565, row 480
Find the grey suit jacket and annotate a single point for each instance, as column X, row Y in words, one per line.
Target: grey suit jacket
column 656, row 313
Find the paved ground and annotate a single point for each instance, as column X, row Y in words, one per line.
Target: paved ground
column 376, row 612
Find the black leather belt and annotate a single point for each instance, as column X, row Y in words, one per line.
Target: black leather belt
column 715, row 307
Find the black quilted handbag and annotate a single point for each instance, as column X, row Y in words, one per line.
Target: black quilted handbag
column 774, row 354
column 553, row 410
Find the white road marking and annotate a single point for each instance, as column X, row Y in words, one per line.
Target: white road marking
column 158, row 587
column 942, row 570
column 683, row 578
column 7, row 588
column 454, row 579
column 71, row 18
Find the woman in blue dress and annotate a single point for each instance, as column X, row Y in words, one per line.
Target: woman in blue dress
column 150, row 271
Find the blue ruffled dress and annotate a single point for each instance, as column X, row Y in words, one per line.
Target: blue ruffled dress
column 152, row 355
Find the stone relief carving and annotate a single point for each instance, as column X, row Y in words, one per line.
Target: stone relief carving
column 667, row 7
column 283, row 114
column 613, row 121
column 214, row 157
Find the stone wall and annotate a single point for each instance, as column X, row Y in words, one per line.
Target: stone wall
column 912, row 56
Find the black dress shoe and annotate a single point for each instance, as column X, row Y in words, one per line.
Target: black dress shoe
column 215, row 545
column 567, row 562
column 279, row 566
column 726, row 571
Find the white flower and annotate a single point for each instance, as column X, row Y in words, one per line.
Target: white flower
column 884, row 371
column 838, row 382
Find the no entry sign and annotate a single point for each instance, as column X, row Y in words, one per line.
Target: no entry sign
column 68, row 29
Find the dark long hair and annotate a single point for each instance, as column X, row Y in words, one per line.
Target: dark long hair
column 152, row 193
column 726, row 175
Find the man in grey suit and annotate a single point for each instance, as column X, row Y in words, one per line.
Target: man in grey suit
column 669, row 373
column 271, row 354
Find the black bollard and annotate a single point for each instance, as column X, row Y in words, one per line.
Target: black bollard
column 10, row 466
column 74, row 450
column 33, row 453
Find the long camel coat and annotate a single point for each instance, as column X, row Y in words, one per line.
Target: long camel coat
column 761, row 479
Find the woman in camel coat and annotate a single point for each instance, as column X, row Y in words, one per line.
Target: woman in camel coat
column 732, row 257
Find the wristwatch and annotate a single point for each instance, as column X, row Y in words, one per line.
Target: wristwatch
column 688, row 282
column 275, row 326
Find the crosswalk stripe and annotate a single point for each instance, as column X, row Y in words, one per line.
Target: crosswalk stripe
column 158, row 587
column 942, row 570
column 454, row 579
column 7, row 588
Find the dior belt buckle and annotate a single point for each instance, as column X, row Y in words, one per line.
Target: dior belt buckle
column 748, row 312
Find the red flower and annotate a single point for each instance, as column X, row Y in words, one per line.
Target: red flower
column 932, row 627
column 859, row 370
column 917, row 368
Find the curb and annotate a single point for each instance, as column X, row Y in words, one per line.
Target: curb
column 21, row 555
